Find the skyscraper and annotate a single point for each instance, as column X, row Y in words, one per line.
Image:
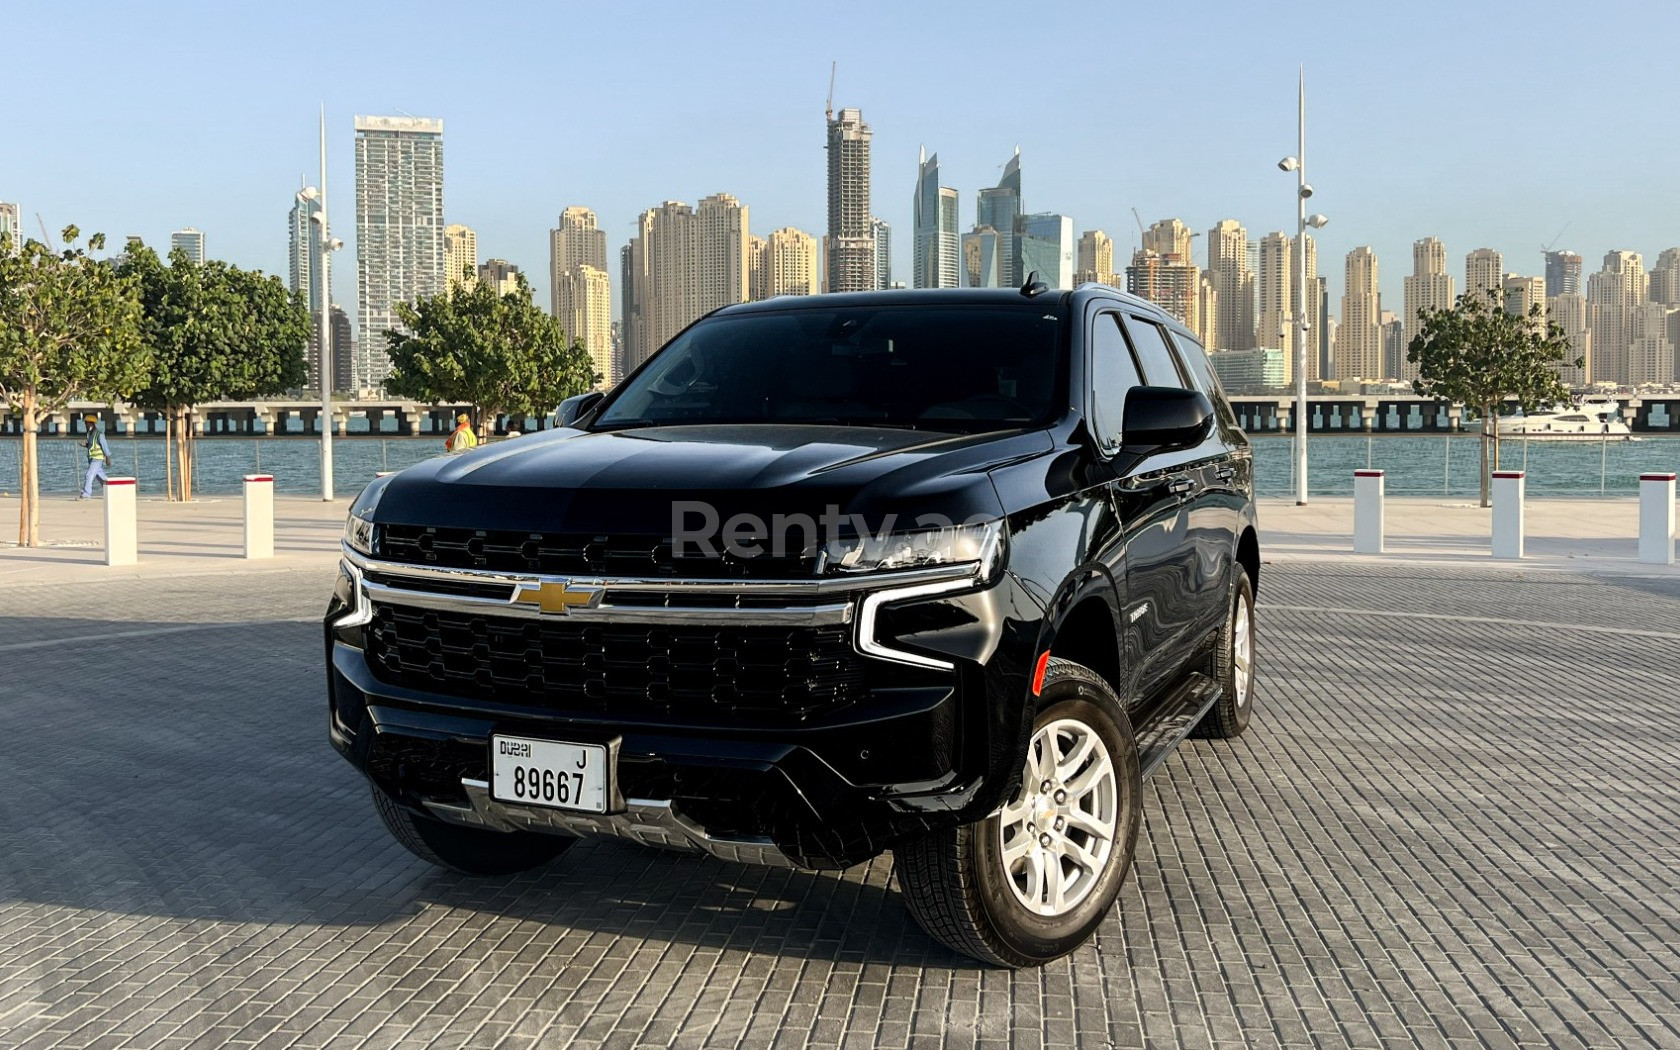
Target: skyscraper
column 1169, row 237
column 1651, row 351
column 1569, row 312
column 934, row 211
column 1484, row 269
column 1207, row 310
column 790, row 265
column 190, row 241
column 722, row 252
column 672, row 297
column 1096, row 258
column 460, row 256
column 1523, row 293
column 1430, row 287
column 1172, row 285
column 999, row 207
column 399, row 229
column 1359, row 339
column 1665, row 278
column 1233, row 282
column 11, row 224
column 1045, row 244
column 849, row 248
column 580, row 293
column 1563, row 273
column 1614, row 296
column 583, row 306
column 883, row 252
column 304, row 250
column 1276, row 286
column 982, row 265
column 501, row 275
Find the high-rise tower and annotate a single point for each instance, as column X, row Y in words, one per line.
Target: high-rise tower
column 460, row 256
column 189, row 240
column 1484, row 269
column 1563, row 273
column 1233, row 283
column 849, row 248
column 1430, row 287
column 399, row 228
column 936, row 262
column 1359, row 340
column 999, row 207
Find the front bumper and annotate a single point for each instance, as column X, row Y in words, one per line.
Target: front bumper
column 921, row 747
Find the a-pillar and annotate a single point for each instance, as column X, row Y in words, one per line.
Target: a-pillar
column 1508, row 486
column 1656, row 519
column 122, row 533
column 1367, row 512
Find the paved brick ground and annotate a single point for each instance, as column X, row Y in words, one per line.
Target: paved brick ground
column 1441, row 832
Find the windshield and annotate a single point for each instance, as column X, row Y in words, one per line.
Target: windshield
column 963, row 367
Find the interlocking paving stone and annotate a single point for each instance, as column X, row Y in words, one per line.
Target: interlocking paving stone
column 1440, row 832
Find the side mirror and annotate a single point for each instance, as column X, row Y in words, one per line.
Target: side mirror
column 1164, row 419
column 576, row 407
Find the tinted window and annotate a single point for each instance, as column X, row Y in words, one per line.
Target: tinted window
column 1112, row 374
column 958, row 368
column 1194, row 358
column 1153, row 353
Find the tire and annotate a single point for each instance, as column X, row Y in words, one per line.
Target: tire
column 984, row 889
column 470, row 851
column 1233, row 670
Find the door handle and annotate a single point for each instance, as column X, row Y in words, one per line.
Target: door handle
column 1179, row 486
column 1225, row 473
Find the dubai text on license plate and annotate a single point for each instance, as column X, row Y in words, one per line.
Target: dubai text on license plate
column 549, row 773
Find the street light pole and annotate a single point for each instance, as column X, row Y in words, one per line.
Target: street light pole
column 324, row 329
column 1301, row 325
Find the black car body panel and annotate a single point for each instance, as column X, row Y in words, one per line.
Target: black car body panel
column 793, row 734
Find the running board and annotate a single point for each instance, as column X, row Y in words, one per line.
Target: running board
column 1172, row 719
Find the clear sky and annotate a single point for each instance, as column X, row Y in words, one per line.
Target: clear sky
column 1486, row 124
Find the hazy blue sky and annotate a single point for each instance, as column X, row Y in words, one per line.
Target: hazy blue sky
column 1487, row 124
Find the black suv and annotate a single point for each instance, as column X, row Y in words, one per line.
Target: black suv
column 943, row 573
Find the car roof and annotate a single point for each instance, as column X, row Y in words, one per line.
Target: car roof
column 950, row 297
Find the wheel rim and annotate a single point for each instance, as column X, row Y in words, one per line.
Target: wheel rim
column 1242, row 650
column 1057, row 833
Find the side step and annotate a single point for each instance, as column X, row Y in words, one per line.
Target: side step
column 1171, row 720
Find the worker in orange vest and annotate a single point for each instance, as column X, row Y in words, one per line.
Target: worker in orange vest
column 462, row 437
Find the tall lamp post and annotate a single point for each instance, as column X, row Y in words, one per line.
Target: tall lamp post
column 1298, row 164
column 325, row 244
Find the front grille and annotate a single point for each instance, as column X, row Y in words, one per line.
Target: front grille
column 702, row 673
column 504, row 550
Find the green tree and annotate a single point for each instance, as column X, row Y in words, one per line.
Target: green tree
column 1476, row 353
column 495, row 352
column 69, row 329
column 216, row 333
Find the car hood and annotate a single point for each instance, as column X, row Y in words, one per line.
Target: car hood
column 636, row 480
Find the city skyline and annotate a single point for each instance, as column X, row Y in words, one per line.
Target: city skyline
column 219, row 160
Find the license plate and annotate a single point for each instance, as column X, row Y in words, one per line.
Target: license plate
column 549, row 773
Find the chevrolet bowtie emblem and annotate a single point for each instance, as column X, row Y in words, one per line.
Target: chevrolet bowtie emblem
column 557, row 597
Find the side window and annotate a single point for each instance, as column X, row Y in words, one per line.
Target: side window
column 1194, row 359
column 1113, row 374
column 1153, row 353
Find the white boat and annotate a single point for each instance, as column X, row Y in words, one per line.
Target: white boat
column 1590, row 419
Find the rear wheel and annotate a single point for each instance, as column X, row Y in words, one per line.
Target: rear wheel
column 1233, row 667
column 1032, row 882
column 471, row 851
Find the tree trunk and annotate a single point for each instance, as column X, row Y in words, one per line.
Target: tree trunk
column 168, row 455
column 1486, row 422
column 183, row 461
column 29, row 490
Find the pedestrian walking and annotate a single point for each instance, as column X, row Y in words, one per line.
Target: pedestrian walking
column 462, row 437
column 98, row 454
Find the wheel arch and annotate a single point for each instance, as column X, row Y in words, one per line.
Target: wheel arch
column 1248, row 556
column 1085, row 628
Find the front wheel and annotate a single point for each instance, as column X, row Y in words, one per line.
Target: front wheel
column 1032, row 882
column 470, row 851
column 1233, row 667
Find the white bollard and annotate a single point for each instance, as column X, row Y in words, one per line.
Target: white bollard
column 1367, row 512
column 259, row 516
column 122, row 534
column 1656, row 518
column 1508, row 513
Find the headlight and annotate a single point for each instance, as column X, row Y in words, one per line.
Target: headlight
column 976, row 545
column 358, row 525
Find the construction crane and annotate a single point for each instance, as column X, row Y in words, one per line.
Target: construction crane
column 1546, row 249
column 46, row 238
column 828, row 110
